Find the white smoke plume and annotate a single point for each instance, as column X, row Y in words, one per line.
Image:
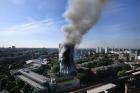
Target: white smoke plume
column 81, row 15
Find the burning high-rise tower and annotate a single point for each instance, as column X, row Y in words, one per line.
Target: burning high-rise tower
column 81, row 15
column 66, row 55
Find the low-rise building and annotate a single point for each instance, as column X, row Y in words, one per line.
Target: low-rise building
column 107, row 88
column 43, row 84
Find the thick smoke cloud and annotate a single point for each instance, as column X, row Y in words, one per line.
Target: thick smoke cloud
column 81, row 15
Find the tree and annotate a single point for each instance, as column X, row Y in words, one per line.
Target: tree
column 82, row 77
column 121, row 73
column 54, row 68
column 3, row 80
column 27, row 89
column 104, row 61
column 15, row 90
column 20, row 84
column 86, row 77
column 126, row 67
column 10, row 85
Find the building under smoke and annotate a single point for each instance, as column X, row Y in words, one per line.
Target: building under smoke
column 66, row 59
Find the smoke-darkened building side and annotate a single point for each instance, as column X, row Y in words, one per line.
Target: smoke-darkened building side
column 66, row 59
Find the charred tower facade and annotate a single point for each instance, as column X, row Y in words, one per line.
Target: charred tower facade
column 66, row 59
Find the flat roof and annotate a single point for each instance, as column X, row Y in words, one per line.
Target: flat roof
column 30, row 82
column 101, row 88
column 35, row 76
column 136, row 73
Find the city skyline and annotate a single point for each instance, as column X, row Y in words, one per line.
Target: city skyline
column 29, row 23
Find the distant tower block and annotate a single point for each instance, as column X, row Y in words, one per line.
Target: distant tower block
column 66, row 55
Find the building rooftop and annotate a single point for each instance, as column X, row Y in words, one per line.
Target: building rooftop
column 101, row 88
column 30, row 82
column 4, row 91
column 136, row 73
column 34, row 76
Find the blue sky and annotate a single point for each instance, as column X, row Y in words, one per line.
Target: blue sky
column 37, row 23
